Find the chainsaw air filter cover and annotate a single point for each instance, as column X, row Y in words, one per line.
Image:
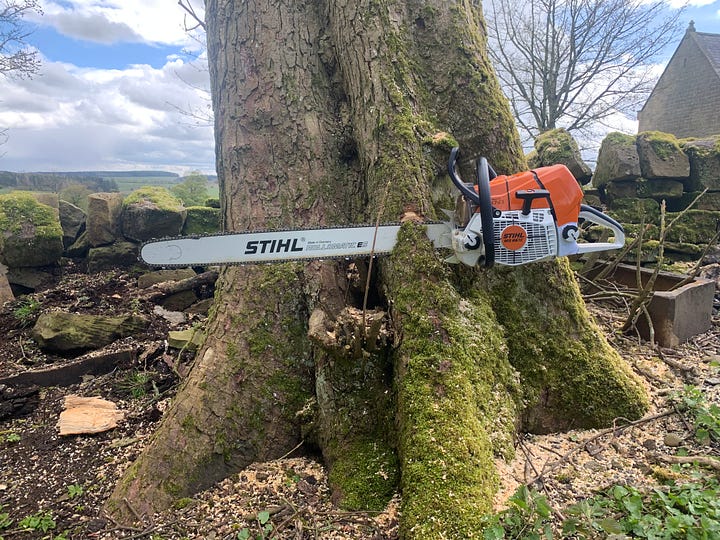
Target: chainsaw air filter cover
column 532, row 210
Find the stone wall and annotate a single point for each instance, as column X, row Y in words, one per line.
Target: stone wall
column 38, row 231
column 634, row 174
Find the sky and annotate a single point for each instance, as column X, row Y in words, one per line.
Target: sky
column 123, row 86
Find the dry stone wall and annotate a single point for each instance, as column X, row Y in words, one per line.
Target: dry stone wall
column 636, row 173
column 37, row 231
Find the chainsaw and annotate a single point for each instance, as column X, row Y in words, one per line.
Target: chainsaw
column 510, row 220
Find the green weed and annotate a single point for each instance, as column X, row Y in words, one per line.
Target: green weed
column 26, row 311
column 705, row 416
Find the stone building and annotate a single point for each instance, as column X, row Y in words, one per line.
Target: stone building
column 686, row 98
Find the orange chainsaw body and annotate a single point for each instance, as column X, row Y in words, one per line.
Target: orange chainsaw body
column 565, row 194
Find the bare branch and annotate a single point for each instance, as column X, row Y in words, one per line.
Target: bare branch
column 185, row 4
column 573, row 63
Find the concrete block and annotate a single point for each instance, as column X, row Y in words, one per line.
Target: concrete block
column 676, row 315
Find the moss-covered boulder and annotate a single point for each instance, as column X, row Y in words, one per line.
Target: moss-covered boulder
column 201, row 220
column 658, row 189
column 694, row 227
column 73, row 332
column 617, row 160
column 558, row 146
column 117, row 255
column 632, row 210
column 152, row 212
column 30, row 232
column 103, row 218
column 661, row 156
column 704, row 156
column 709, row 201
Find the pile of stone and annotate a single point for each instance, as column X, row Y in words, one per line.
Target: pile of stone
column 634, row 174
column 37, row 230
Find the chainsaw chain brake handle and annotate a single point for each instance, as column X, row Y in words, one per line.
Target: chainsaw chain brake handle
column 480, row 199
column 588, row 213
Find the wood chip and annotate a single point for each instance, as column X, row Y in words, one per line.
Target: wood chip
column 83, row 415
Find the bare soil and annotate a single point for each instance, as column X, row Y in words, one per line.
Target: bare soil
column 69, row 478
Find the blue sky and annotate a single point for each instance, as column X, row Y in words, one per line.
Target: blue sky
column 123, row 86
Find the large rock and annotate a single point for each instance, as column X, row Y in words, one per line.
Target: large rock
column 658, row 189
column 704, row 156
column 661, row 156
column 117, row 255
column 709, row 201
column 632, row 210
column 694, row 227
column 62, row 332
column 103, row 218
column 30, row 232
column 72, row 220
column 617, row 160
column 152, row 212
column 558, row 146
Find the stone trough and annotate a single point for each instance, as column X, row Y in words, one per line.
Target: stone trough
column 676, row 315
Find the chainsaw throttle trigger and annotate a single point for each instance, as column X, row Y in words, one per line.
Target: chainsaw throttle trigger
column 588, row 213
column 529, row 195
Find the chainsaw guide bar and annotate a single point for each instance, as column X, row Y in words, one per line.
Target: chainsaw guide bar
column 511, row 220
column 275, row 245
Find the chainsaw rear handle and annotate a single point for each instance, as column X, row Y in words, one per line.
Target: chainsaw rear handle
column 588, row 213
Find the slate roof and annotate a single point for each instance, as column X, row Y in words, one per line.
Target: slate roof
column 710, row 45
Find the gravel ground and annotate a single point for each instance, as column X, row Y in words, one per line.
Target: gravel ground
column 68, row 478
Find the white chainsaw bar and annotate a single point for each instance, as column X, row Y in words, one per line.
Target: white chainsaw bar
column 256, row 247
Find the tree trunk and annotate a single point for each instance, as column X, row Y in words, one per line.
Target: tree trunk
column 335, row 112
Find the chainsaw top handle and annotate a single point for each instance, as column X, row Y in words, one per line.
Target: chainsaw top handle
column 480, row 199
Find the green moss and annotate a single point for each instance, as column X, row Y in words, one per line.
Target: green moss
column 570, row 374
column 616, row 137
column 367, row 475
column 455, row 388
column 201, row 220
column 665, row 145
column 18, row 209
column 157, row 195
column 555, row 146
column 183, row 503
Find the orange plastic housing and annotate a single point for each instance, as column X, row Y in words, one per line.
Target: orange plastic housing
column 565, row 193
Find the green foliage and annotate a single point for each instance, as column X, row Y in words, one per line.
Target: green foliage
column 77, row 194
column 75, row 490
column 12, row 437
column 41, row 521
column 27, row 311
column 138, row 384
column 193, row 191
column 528, row 516
column 5, row 520
column 265, row 528
column 676, row 511
column 705, row 416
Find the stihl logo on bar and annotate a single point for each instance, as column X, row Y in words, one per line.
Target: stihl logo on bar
column 289, row 245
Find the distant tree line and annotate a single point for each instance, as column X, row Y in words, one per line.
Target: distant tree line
column 54, row 182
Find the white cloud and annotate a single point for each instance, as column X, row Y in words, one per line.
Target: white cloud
column 112, row 21
column 70, row 118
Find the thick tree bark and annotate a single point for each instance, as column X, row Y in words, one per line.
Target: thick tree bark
column 334, row 112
